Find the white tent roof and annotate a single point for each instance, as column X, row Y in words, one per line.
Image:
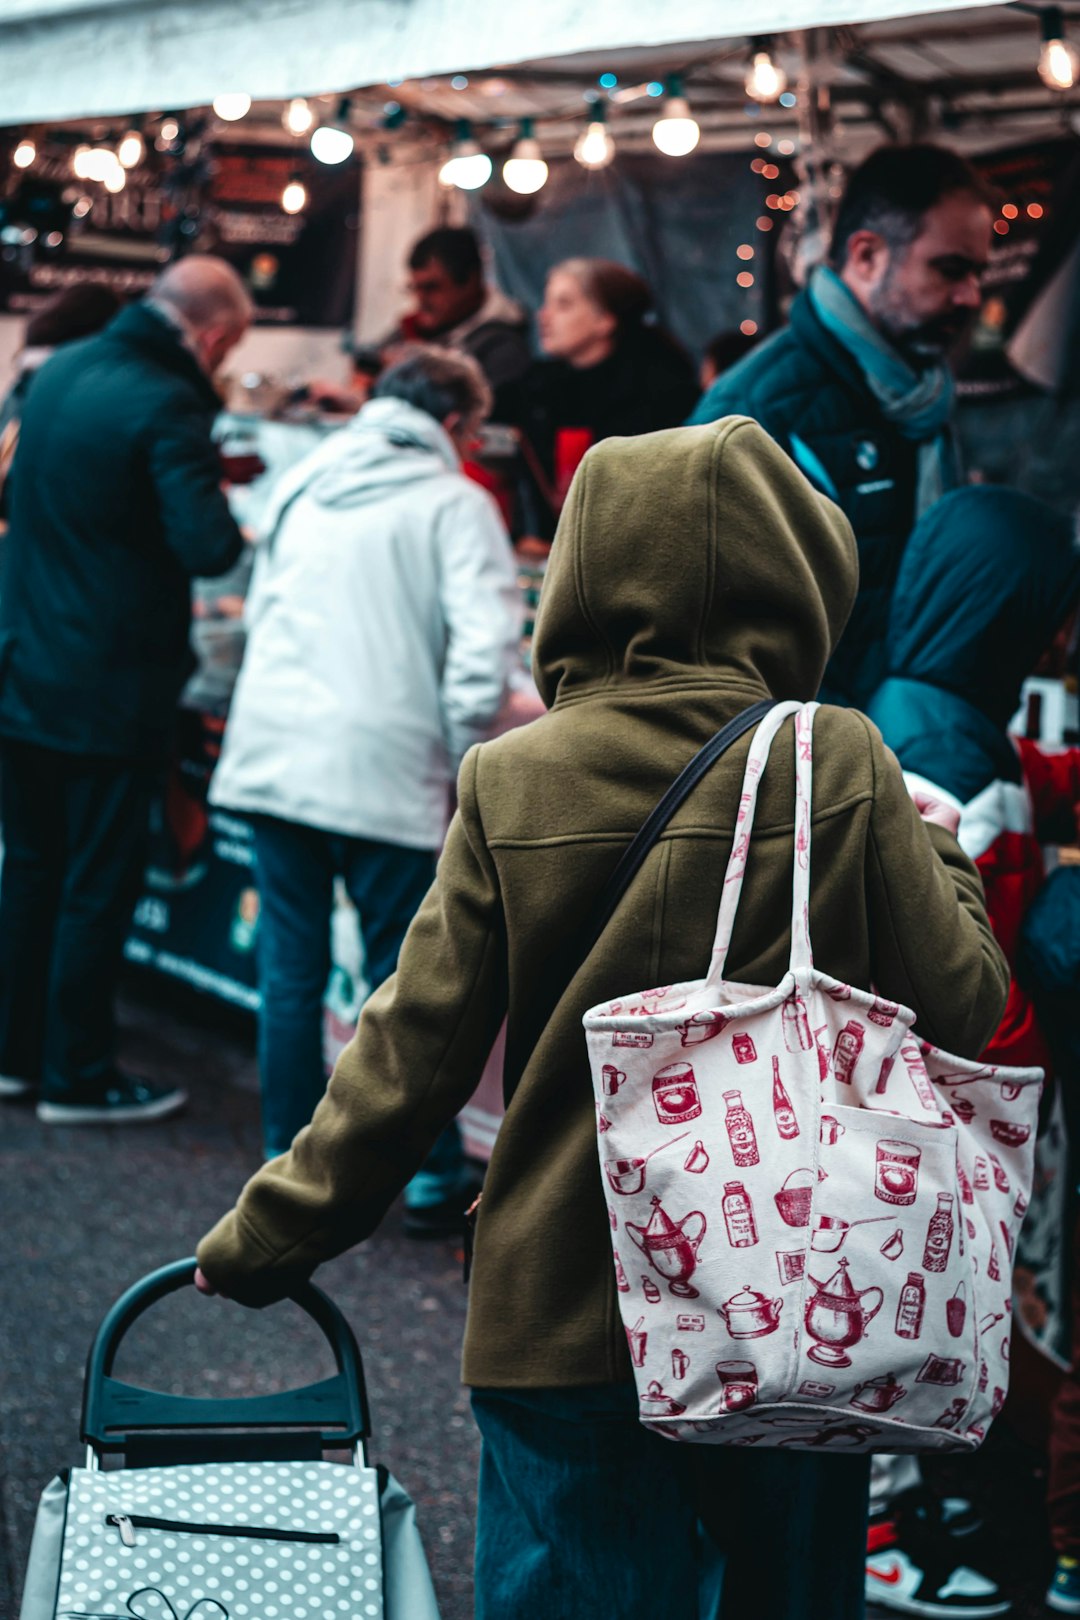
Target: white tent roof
column 66, row 59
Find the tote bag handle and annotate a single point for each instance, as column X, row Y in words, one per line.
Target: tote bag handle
column 801, row 956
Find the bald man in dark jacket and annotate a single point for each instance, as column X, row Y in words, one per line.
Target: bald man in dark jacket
column 115, row 505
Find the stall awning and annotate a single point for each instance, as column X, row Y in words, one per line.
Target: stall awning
column 62, row 59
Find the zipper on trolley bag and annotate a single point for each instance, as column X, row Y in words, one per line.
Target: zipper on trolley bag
column 128, row 1523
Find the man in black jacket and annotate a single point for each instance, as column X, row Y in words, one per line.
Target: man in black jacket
column 115, row 505
column 857, row 387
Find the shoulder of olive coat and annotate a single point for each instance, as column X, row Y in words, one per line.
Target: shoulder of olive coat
column 641, row 666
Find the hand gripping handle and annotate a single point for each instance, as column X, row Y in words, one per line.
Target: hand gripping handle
column 113, row 1410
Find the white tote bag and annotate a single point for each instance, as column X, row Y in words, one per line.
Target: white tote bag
column 813, row 1212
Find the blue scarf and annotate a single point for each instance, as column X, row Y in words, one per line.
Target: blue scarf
column 919, row 403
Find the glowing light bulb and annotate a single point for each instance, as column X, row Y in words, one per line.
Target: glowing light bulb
column 24, row 154
column 170, row 129
column 115, row 180
column 467, row 167
column 298, row 116
column 676, row 133
column 331, row 144
column 765, row 81
column 1059, row 64
column 525, row 170
column 233, row 106
column 294, row 197
column 595, row 148
column 132, row 149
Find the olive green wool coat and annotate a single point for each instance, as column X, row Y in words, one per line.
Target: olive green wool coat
column 695, row 571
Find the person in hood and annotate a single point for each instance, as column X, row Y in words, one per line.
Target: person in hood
column 606, row 371
column 383, row 623
column 988, row 578
column 695, row 572
column 857, row 387
column 456, row 309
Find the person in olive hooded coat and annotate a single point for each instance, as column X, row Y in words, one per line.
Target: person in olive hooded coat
column 695, row 572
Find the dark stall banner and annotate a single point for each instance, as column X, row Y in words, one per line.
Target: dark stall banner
column 1036, row 224
column 300, row 268
column 197, row 918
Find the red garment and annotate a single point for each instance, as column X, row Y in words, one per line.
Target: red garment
column 1063, row 1485
column 999, row 830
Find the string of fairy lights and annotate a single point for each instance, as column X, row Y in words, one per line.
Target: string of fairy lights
column 331, row 133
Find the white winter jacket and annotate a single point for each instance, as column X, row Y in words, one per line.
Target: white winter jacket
column 383, row 622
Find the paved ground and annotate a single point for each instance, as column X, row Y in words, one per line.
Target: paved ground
column 84, row 1212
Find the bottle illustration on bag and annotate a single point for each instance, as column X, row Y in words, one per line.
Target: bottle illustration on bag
column 1001, row 1180
column 739, row 1216
column 740, row 1129
column 670, row 1248
column 786, row 1123
column 796, row 1025
column 966, row 1193
column 956, row 1311
column 675, row 1094
column 849, row 1043
column 939, row 1235
column 620, row 1275
column 650, row 1290
column 909, row 1312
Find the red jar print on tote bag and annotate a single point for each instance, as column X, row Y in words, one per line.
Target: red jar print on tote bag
column 837, row 1196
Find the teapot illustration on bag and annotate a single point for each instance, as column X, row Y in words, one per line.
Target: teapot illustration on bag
column 750, row 1315
column 670, row 1248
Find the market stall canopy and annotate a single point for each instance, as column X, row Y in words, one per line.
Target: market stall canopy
column 65, row 59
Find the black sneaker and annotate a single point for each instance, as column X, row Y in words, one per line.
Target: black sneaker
column 122, row 1100
column 443, row 1220
column 917, row 1563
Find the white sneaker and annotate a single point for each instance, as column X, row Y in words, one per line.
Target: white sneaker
column 12, row 1086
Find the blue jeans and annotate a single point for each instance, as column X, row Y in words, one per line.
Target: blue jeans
column 295, row 870
column 584, row 1515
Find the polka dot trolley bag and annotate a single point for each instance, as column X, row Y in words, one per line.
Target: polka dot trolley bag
column 813, row 1212
column 265, row 1530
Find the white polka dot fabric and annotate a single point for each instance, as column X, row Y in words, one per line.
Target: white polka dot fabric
column 192, row 1574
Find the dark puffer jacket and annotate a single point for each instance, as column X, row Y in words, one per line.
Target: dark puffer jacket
column 115, row 503
column 809, row 394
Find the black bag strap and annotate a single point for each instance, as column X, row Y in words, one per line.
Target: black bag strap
column 634, row 855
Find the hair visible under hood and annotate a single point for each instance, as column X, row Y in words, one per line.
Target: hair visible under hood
column 988, row 578
column 698, row 548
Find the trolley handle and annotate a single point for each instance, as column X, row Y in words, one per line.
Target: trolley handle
column 113, row 1411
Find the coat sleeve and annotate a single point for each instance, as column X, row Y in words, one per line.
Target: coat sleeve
column 931, row 943
column 198, row 526
column 482, row 612
column 414, row 1062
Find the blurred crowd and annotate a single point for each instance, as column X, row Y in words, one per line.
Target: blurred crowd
column 383, row 627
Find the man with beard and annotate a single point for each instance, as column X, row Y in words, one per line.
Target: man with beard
column 857, row 387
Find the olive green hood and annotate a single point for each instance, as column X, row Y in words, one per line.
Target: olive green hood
column 696, row 551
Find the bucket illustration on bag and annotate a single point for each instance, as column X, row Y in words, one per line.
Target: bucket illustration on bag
column 670, row 1248
column 794, row 1198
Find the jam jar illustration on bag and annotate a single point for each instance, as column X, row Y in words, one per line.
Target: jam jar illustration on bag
column 939, row 1235
column 909, row 1311
column 744, row 1049
column 849, row 1043
column 739, row 1219
column 671, row 1247
column 783, row 1113
column 675, row 1094
column 740, row 1129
